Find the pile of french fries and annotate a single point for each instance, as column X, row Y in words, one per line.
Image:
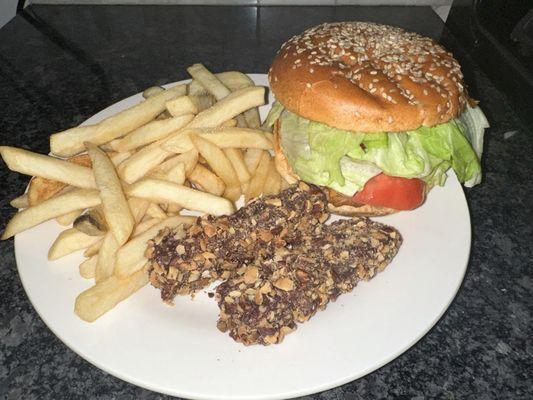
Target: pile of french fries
column 193, row 147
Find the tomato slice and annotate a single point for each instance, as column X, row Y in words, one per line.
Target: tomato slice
column 392, row 192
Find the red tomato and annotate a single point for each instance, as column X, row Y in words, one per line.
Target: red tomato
column 393, row 192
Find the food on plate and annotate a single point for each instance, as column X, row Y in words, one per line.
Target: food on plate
column 71, row 141
column 132, row 183
column 92, row 222
column 215, row 246
column 373, row 114
column 265, row 299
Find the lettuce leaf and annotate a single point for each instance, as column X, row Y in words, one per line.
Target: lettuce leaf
column 346, row 160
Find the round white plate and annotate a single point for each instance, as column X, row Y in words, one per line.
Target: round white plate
column 179, row 351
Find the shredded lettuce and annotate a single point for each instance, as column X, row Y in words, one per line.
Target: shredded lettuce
column 346, row 160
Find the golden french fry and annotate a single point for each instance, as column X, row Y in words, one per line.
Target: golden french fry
column 257, row 183
column 233, row 80
column 119, row 158
column 71, row 141
column 138, row 208
column 253, row 120
column 94, row 248
column 230, row 123
column 202, row 101
column 154, row 211
column 105, row 264
column 189, row 159
column 140, row 163
column 20, row 202
column 284, row 184
column 180, row 106
column 152, row 91
column 173, row 209
column 114, row 203
column 144, row 226
column 232, row 193
column 209, row 81
column 207, row 181
column 68, row 219
column 224, row 138
column 237, row 160
column 229, row 107
column 219, row 163
column 153, row 131
column 241, row 121
column 273, row 180
column 77, row 199
column 166, row 192
column 102, row 297
column 88, row 267
column 29, row 163
column 69, row 241
column 131, row 256
column 175, row 174
column 252, row 158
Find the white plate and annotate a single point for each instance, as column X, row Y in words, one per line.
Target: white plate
column 179, row 351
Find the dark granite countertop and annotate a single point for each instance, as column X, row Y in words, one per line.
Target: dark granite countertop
column 61, row 64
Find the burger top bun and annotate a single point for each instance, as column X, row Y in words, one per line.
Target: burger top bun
column 367, row 77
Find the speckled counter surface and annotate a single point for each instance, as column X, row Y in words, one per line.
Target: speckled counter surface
column 61, row 64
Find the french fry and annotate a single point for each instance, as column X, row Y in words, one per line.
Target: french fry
column 202, row 101
column 252, row 158
column 237, row 160
column 20, row 202
column 230, row 123
column 33, row 164
column 153, row 131
column 144, row 226
column 140, row 163
column 138, row 208
column 273, row 180
column 69, row 241
column 229, row 107
column 207, row 181
column 131, row 256
column 209, row 81
column 224, row 138
column 166, row 192
column 175, row 174
column 88, row 267
column 154, row 211
column 69, row 218
column 77, row 199
column 71, row 141
column 152, row 91
column 105, row 295
column 119, row 158
column 181, row 106
column 257, row 183
column 220, row 164
column 116, row 209
column 253, row 120
column 106, row 257
column 93, row 249
column 189, row 159
column 233, row 80
column 173, row 209
column 284, row 184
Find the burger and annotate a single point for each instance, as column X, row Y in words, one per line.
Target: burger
column 374, row 115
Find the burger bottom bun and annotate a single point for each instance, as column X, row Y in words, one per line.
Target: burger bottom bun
column 341, row 207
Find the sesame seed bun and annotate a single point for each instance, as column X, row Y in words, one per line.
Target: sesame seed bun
column 367, row 77
column 337, row 202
